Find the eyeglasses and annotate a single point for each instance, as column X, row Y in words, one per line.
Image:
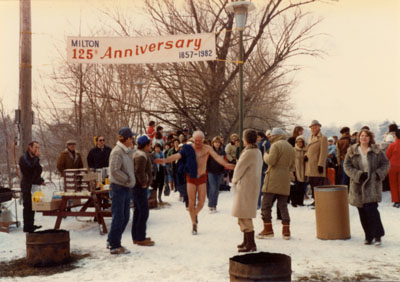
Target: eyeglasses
column 101, row 140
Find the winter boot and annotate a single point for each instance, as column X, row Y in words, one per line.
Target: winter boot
column 250, row 245
column 286, row 231
column 244, row 241
column 267, row 232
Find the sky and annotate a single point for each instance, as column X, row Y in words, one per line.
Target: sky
column 358, row 79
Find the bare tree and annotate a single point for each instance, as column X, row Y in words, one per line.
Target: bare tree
column 95, row 99
column 7, row 169
column 98, row 99
column 203, row 94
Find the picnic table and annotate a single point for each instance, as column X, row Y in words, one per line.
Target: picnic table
column 98, row 199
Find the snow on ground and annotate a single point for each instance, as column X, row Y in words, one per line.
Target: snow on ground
column 180, row 256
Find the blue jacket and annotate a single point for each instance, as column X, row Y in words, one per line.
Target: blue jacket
column 264, row 146
column 189, row 160
column 180, row 173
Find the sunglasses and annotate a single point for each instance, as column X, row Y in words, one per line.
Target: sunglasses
column 101, row 140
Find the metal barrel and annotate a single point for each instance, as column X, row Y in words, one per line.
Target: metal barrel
column 262, row 266
column 48, row 247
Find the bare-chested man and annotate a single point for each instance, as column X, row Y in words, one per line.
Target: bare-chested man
column 196, row 156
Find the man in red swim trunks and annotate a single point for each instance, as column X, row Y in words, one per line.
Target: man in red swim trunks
column 196, row 185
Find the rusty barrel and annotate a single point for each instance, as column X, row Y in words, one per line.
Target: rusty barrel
column 47, row 247
column 332, row 212
column 262, row 266
column 152, row 199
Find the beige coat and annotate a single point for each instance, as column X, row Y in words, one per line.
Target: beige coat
column 247, row 178
column 317, row 153
column 280, row 161
column 299, row 163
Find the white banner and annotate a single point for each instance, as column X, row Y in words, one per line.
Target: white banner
column 141, row 50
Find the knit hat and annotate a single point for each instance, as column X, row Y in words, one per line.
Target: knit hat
column 389, row 138
column 142, row 140
column 125, row 132
column 315, row 122
column 331, row 139
column 277, row 131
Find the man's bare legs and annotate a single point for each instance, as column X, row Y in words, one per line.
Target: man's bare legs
column 192, row 191
column 202, row 191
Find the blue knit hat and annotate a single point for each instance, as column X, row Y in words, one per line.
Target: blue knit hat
column 142, row 140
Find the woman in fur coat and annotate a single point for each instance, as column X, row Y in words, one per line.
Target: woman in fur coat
column 367, row 166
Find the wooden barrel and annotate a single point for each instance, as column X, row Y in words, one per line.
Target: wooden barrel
column 260, row 266
column 48, row 247
column 153, row 199
column 332, row 212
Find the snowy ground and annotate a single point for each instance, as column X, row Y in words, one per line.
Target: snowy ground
column 180, row 256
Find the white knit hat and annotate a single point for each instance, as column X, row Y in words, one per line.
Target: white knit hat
column 301, row 137
column 277, row 131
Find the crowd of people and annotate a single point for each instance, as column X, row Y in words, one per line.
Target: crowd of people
column 271, row 167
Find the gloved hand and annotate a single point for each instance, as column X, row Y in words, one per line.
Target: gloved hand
column 320, row 169
column 305, row 158
column 363, row 177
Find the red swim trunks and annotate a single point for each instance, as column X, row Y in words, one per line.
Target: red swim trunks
column 197, row 181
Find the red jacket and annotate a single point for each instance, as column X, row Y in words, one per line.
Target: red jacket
column 151, row 132
column 393, row 154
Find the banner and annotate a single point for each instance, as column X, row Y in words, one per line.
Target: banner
column 141, row 50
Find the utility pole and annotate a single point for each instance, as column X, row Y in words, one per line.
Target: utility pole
column 25, row 73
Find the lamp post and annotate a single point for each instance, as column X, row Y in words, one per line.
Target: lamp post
column 240, row 9
column 139, row 86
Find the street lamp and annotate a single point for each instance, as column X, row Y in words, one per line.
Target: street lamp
column 240, row 9
column 139, row 85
